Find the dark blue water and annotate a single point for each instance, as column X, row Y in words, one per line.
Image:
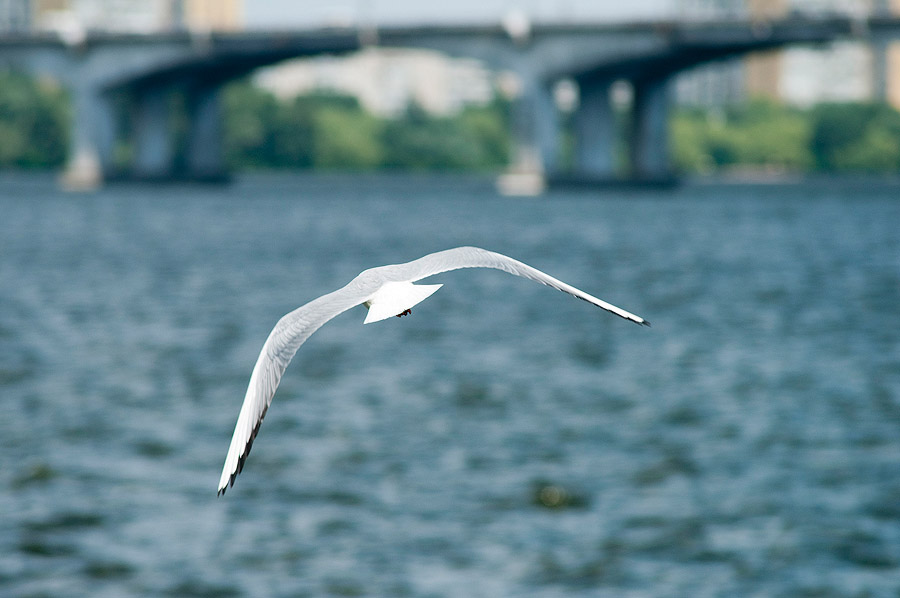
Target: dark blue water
column 504, row 440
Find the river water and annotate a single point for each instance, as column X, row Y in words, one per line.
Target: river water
column 503, row 440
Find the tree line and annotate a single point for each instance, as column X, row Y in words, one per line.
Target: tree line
column 34, row 122
column 828, row 137
column 332, row 131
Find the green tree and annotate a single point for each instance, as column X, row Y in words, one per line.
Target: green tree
column 689, row 138
column 856, row 136
column 759, row 134
column 249, row 115
column 346, row 139
column 419, row 141
column 292, row 134
column 769, row 134
column 875, row 151
column 34, row 122
column 490, row 126
column 332, row 131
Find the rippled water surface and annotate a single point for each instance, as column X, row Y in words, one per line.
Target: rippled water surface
column 504, row 440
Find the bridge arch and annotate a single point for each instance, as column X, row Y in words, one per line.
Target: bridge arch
column 99, row 67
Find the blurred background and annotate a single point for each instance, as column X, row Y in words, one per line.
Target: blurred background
column 560, row 91
column 175, row 175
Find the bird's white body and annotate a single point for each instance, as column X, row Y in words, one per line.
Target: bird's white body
column 396, row 298
column 387, row 291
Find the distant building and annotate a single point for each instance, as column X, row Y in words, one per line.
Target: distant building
column 212, row 15
column 137, row 16
column 386, row 81
column 691, row 10
column 718, row 83
column 844, row 71
column 890, row 58
column 710, row 85
column 15, row 16
column 133, row 16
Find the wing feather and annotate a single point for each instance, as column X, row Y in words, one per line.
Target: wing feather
column 289, row 333
column 475, row 257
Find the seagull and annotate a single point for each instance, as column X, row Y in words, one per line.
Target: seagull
column 386, row 291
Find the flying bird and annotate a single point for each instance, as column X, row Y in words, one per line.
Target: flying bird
column 386, row 291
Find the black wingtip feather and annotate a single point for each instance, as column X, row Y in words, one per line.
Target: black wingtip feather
column 243, row 458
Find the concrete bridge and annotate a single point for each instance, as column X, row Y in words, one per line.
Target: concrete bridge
column 100, row 69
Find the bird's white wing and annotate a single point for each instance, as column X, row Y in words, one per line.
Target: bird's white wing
column 289, row 333
column 475, row 257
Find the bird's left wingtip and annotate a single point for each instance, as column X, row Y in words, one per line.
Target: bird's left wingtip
column 645, row 323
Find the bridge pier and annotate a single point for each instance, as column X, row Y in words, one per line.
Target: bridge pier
column 93, row 137
column 595, row 128
column 547, row 127
column 597, row 136
column 205, row 156
column 650, row 130
column 153, row 156
column 536, row 130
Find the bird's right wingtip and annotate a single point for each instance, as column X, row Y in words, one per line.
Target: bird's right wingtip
column 645, row 323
